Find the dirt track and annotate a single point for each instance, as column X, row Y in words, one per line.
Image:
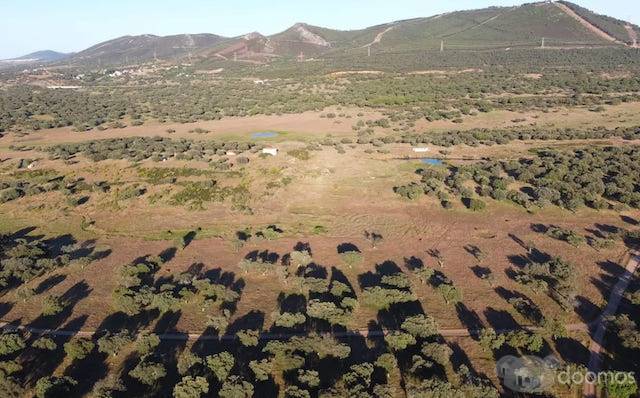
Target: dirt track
column 633, row 35
column 594, row 29
column 193, row 336
column 379, row 37
column 597, row 339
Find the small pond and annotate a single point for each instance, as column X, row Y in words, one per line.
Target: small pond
column 264, row 134
column 432, row 161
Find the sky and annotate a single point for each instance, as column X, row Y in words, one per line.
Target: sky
column 73, row 25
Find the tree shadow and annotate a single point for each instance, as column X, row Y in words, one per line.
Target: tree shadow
column 586, row 309
column 413, row 263
column 500, row 319
column 264, row 256
column 571, row 350
column 481, row 272
column 71, row 297
column 253, row 320
column 347, row 247
column 49, row 283
column 292, row 303
column 168, row 254
column 469, row 318
column 5, row 308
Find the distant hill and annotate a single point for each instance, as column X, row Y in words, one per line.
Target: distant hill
column 552, row 24
column 39, row 56
column 135, row 49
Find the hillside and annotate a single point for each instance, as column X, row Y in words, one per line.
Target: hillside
column 559, row 25
column 133, row 49
column 616, row 28
column 491, row 27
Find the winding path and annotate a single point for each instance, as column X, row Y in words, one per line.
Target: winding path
column 379, row 36
column 597, row 338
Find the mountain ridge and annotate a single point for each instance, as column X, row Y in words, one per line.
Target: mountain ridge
column 554, row 24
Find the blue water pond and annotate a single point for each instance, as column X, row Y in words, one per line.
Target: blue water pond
column 264, row 134
column 432, row 161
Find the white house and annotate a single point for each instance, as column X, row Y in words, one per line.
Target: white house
column 270, row 151
column 421, row 149
column 231, row 153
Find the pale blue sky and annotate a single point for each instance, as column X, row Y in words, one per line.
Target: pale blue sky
column 72, row 25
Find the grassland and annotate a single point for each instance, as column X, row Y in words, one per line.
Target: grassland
column 323, row 257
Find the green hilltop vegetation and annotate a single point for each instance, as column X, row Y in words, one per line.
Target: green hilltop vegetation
column 503, row 28
column 491, row 27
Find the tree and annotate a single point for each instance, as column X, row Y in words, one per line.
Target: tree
column 261, row 369
column 147, row 342
column 420, row 326
column 53, row 305
column 9, row 368
column 555, row 328
column 450, row 293
column 309, row 378
column 490, row 340
column 52, row 386
column 328, row 311
column 424, row 274
column 235, row 387
column 474, row 204
column 351, row 258
column 148, row 373
column 10, row 388
column 535, row 343
column 382, row 298
column 44, row 343
column 289, row 320
column 249, row 338
column 191, row 387
column 399, row 341
column 440, row 353
column 221, row 365
column 300, row 258
column 218, row 323
column 621, row 388
column 78, row 348
column 11, row 343
column 296, row 392
column 113, row 343
column 387, row 362
column 359, row 375
column 107, row 388
column 186, row 361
